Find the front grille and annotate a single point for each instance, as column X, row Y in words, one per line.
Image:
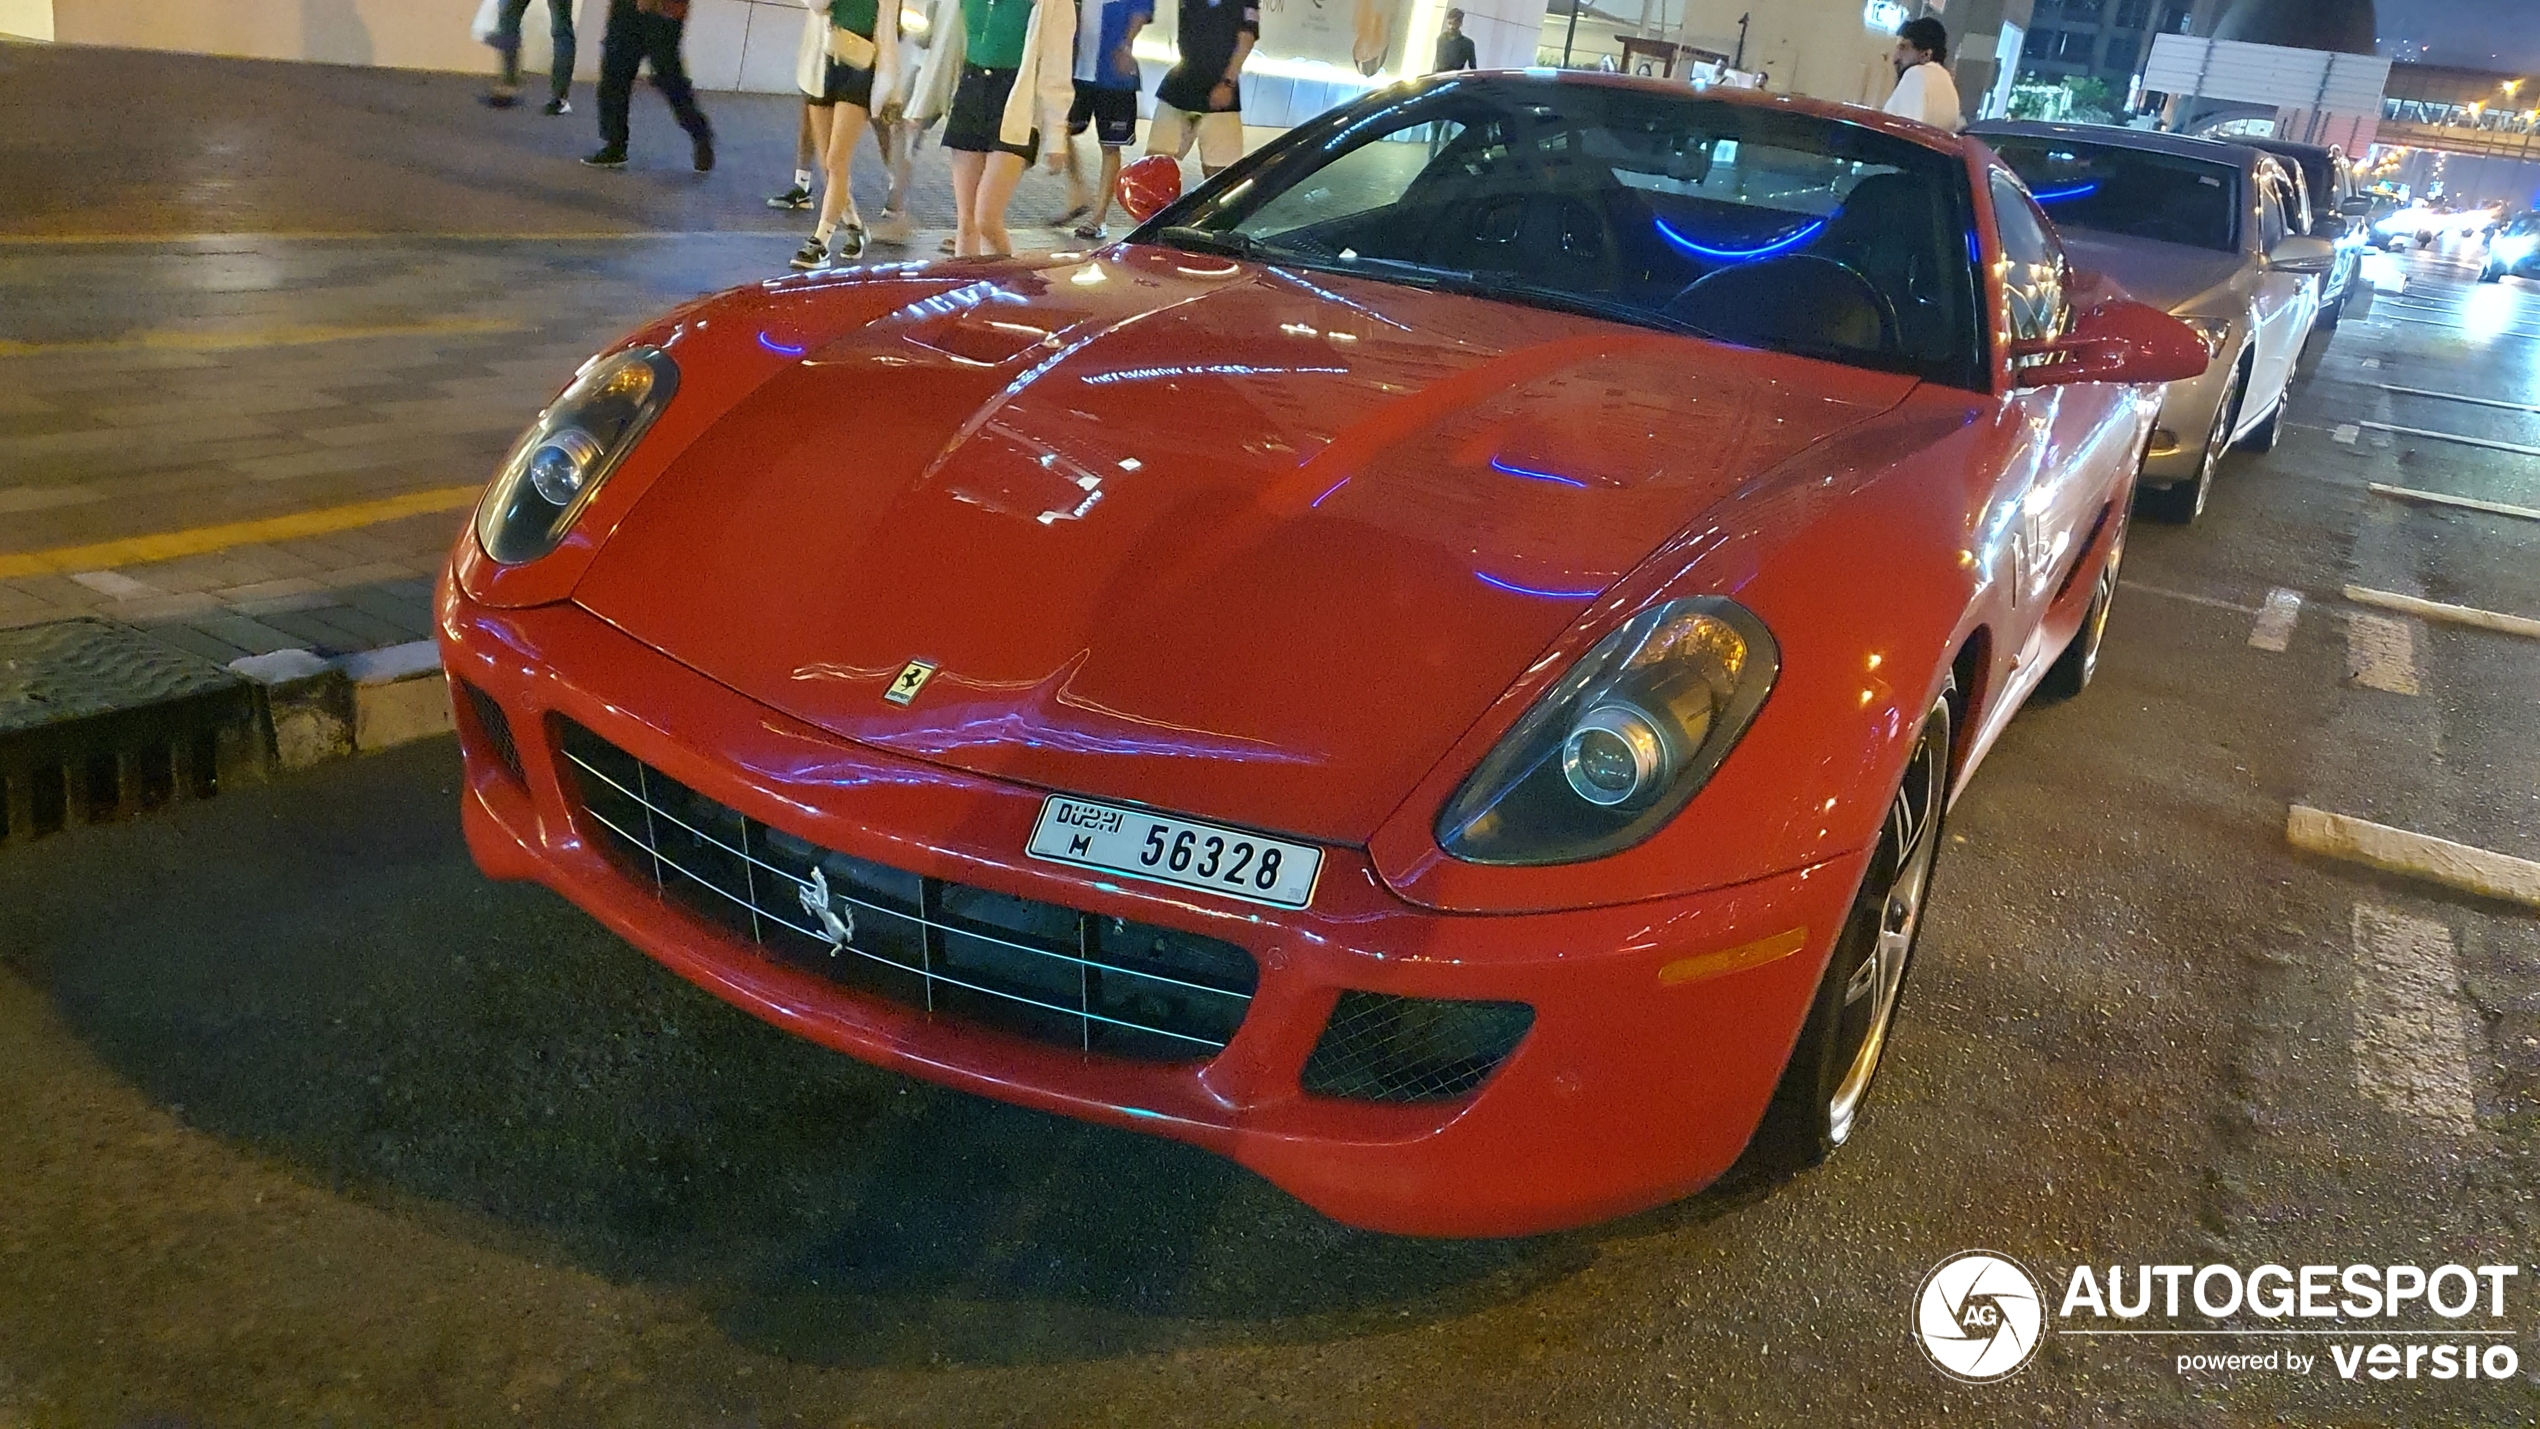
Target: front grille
column 1382, row 1048
column 497, row 727
column 1037, row 969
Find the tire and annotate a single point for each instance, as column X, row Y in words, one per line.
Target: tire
column 2072, row 671
column 2181, row 504
column 2490, row 275
column 1817, row 1104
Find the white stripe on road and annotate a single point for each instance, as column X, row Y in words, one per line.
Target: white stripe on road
column 2381, row 654
column 2452, row 614
column 2167, row 594
column 2410, row 493
column 2515, row 447
column 2456, row 397
column 2411, row 1037
column 2346, row 434
column 2472, row 870
column 2274, row 630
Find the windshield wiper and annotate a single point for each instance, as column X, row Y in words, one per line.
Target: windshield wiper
column 1208, row 240
column 1515, row 290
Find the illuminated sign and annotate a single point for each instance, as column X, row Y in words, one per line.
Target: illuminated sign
column 1885, row 16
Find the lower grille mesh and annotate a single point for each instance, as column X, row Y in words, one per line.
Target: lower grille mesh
column 1382, row 1048
column 1037, row 969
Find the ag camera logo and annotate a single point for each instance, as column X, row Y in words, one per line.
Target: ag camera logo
column 1980, row 1316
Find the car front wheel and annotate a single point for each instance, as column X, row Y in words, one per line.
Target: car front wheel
column 2185, row 501
column 2072, row 671
column 1818, row 1102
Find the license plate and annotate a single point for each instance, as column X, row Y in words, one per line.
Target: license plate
column 1176, row 851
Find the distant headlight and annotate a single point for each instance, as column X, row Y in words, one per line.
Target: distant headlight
column 2516, row 247
column 559, row 464
column 2215, row 333
column 1609, row 754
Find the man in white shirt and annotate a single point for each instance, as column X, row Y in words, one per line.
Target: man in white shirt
column 1924, row 90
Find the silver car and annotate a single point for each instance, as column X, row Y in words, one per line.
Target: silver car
column 2209, row 231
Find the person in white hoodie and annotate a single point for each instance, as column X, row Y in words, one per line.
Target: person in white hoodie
column 1924, row 90
column 860, row 60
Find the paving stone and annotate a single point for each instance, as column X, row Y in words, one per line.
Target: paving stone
column 161, row 607
column 278, row 468
column 253, row 636
column 408, row 610
column 269, row 590
column 197, row 642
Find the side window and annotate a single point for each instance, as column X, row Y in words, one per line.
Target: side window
column 2034, row 267
column 2271, row 211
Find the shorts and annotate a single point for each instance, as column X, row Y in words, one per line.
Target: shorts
column 1113, row 113
column 846, row 85
column 1220, row 136
column 978, row 114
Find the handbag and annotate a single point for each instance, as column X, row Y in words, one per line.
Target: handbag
column 489, row 21
column 851, row 49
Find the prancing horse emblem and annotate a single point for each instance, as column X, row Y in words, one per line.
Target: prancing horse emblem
column 912, row 678
column 835, row 926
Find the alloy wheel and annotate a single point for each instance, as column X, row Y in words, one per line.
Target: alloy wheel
column 1909, row 843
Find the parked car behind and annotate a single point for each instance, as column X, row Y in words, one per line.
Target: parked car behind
column 2515, row 251
column 2335, row 207
column 2206, row 230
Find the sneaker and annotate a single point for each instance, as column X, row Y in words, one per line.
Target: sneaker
column 1093, row 232
column 498, row 99
column 703, row 152
column 893, row 228
column 851, row 241
column 947, row 246
column 607, row 156
column 555, row 107
column 796, row 198
column 812, row 254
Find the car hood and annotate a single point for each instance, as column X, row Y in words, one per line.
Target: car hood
column 1249, row 544
column 2172, row 276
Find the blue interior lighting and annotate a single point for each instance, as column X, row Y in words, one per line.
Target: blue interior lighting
column 1782, row 244
column 2067, row 195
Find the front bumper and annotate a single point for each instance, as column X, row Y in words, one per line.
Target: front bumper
column 1658, row 1035
column 2177, row 452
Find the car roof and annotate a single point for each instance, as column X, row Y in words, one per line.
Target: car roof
column 2113, row 136
column 2322, row 153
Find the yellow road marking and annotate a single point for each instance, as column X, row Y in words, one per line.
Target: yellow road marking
column 203, row 540
column 176, row 340
column 1752, row 955
column 2474, row 870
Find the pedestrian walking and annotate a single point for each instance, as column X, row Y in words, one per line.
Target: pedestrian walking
column 1924, row 89
column 1016, row 86
column 1106, row 101
column 1455, row 48
column 506, row 43
column 811, row 66
column 647, row 33
column 860, row 58
column 1201, row 99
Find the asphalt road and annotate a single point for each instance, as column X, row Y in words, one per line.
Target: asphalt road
column 303, row 1121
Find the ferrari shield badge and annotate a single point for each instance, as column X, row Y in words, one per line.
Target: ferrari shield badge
column 912, row 678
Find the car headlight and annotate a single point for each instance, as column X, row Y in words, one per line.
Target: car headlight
column 2518, row 247
column 559, row 464
column 1632, row 732
column 2215, row 333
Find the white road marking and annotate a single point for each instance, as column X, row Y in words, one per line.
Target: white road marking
column 2381, row 654
column 2167, row 594
column 2346, row 434
column 114, row 585
column 2437, row 498
column 2274, row 630
column 2501, row 623
column 2373, row 363
column 2457, row 397
column 2411, row 1041
column 2515, row 447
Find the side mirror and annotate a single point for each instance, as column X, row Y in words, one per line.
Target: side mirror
column 1150, row 185
column 2302, row 254
column 2118, row 340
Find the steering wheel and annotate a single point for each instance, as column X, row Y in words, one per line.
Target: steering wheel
column 1797, row 270
column 1545, row 229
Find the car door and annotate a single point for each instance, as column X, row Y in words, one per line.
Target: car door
column 2073, row 442
column 2286, row 302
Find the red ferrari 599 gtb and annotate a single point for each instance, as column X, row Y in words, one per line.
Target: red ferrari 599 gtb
column 1433, row 669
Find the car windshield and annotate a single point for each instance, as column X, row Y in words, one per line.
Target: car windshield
column 2138, row 193
column 1731, row 221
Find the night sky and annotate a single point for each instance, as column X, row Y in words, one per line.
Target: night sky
column 2476, row 34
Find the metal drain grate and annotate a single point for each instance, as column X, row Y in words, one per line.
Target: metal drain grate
column 1382, row 1048
column 99, row 722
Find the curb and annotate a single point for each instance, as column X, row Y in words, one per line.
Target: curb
column 313, row 710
